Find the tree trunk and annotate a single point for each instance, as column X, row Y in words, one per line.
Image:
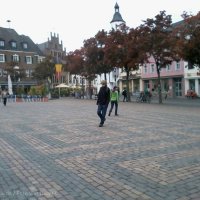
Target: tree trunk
column 159, row 84
column 90, row 90
column 105, row 76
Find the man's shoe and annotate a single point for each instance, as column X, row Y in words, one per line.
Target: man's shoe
column 100, row 125
column 109, row 114
column 116, row 115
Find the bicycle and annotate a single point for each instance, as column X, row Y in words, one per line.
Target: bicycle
column 144, row 98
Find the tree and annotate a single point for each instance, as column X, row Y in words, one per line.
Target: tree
column 158, row 42
column 14, row 71
column 188, row 33
column 74, row 62
column 44, row 70
column 102, row 64
column 124, row 50
column 90, row 70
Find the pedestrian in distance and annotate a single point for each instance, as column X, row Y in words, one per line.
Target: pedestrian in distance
column 124, row 93
column 103, row 99
column 4, row 95
column 114, row 99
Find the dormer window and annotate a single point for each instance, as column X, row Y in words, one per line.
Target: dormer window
column 13, row 44
column 2, row 43
column 25, row 46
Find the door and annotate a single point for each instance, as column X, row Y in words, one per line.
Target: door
column 178, row 87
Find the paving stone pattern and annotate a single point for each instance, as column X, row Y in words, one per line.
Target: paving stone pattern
column 55, row 150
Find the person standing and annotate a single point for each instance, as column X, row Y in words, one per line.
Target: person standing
column 124, row 93
column 4, row 97
column 114, row 99
column 103, row 99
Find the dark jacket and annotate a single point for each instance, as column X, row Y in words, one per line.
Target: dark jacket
column 103, row 96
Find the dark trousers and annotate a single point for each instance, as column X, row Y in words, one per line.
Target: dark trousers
column 112, row 105
column 4, row 101
column 125, row 98
column 101, row 112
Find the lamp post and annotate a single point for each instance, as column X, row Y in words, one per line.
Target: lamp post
column 115, row 74
column 16, row 78
column 82, row 83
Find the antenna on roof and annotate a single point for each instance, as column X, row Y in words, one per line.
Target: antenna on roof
column 8, row 23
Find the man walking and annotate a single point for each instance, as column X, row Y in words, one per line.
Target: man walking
column 124, row 93
column 4, row 97
column 103, row 100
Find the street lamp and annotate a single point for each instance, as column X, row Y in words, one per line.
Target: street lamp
column 115, row 74
column 16, row 78
column 82, row 83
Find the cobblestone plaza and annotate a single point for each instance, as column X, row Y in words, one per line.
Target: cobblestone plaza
column 55, row 150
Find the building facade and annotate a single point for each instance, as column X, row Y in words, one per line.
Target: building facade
column 172, row 78
column 54, row 48
column 18, row 57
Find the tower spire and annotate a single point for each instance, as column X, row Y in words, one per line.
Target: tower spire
column 117, row 18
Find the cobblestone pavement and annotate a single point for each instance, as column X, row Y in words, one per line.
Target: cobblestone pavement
column 56, row 150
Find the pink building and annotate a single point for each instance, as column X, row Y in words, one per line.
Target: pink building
column 172, row 78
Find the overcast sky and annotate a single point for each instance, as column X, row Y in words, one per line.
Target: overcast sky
column 76, row 20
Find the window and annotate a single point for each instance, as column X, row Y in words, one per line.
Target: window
column 74, row 80
column 15, row 58
column 5, row 73
column 152, row 68
column 27, row 73
column 145, row 69
column 2, row 58
column 25, row 46
column 29, row 60
column 2, row 43
column 168, row 68
column 177, row 66
column 31, row 72
column 39, row 59
column 13, row 44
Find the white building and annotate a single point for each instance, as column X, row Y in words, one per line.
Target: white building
column 192, row 78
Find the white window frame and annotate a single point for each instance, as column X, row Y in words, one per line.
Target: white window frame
column 15, row 58
column 29, row 60
column 2, row 58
